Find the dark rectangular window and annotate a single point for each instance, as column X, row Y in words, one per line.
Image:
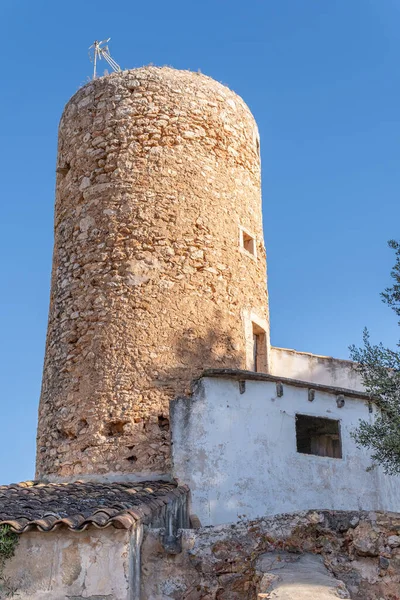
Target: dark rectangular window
column 318, row 436
column 259, row 349
column 247, row 242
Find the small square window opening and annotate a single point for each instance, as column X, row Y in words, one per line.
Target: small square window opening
column 318, row 436
column 248, row 242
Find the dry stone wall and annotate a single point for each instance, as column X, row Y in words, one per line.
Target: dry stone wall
column 316, row 554
column 157, row 169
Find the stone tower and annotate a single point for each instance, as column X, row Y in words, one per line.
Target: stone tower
column 159, row 266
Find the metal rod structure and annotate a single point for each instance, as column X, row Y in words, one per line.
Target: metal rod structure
column 100, row 52
column 95, row 63
column 111, row 61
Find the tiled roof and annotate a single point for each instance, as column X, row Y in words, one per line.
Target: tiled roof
column 47, row 506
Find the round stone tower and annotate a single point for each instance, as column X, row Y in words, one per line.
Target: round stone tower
column 159, row 267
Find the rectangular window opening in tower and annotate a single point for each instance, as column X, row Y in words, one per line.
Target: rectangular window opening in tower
column 247, row 242
column 259, row 349
column 318, row 436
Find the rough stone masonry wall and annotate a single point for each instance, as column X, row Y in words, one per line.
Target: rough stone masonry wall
column 360, row 550
column 157, row 168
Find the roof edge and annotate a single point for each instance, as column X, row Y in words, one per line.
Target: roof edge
column 238, row 374
column 129, row 517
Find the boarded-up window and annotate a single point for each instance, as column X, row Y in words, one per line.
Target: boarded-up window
column 318, row 436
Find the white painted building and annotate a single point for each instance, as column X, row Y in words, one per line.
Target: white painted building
column 256, row 444
column 314, row 368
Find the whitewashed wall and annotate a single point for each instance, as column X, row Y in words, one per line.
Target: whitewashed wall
column 314, row 368
column 65, row 565
column 237, row 452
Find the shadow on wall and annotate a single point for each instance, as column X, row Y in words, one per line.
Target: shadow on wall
column 193, row 353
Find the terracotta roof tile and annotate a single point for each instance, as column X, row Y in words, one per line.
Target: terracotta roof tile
column 47, row 506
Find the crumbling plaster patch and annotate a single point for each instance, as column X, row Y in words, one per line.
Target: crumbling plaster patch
column 64, row 564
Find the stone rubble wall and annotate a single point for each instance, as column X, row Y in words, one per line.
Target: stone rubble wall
column 156, row 171
column 360, row 552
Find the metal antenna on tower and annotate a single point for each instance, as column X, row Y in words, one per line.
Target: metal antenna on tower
column 101, row 51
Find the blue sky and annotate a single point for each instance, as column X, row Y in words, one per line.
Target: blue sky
column 322, row 79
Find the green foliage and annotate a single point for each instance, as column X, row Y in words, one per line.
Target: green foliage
column 8, row 543
column 380, row 371
column 392, row 295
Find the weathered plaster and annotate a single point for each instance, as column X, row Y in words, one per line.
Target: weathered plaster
column 65, row 565
column 315, row 369
column 237, row 452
